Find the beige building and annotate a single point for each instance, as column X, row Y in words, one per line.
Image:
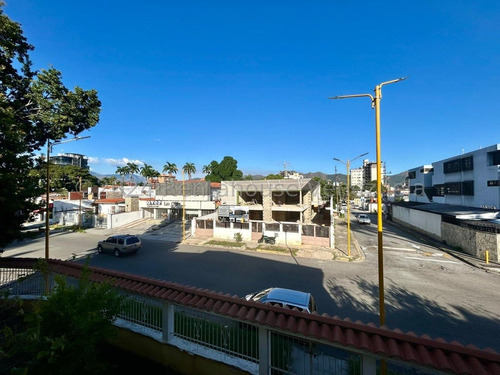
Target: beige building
column 292, row 200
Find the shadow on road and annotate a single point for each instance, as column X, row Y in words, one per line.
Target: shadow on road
column 408, row 311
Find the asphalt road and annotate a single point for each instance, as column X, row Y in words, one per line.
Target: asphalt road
column 426, row 291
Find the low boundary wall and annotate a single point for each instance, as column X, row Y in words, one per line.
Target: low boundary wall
column 253, row 337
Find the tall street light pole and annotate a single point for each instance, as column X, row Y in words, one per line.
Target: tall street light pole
column 47, row 209
column 348, row 166
column 183, row 208
column 375, row 100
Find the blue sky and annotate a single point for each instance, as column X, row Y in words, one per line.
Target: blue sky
column 195, row 81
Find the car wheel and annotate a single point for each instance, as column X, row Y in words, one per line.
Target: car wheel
column 117, row 253
column 99, row 249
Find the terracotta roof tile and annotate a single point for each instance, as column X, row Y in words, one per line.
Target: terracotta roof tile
column 422, row 350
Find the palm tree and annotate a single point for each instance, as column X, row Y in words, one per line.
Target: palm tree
column 189, row 168
column 122, row 171
column 132, row 168
column 147, row 171
column 170, row 168
column 206, row 169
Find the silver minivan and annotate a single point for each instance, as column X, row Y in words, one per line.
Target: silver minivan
column 286, row 298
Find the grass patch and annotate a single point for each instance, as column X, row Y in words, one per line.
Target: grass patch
column 278, row 249
column 225, row 243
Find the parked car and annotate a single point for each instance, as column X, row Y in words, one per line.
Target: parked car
column 120, row 244
column 364, row 219
column 286, row 298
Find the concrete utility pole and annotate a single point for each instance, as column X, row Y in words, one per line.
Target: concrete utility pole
column 47, row 197
column 375, row 101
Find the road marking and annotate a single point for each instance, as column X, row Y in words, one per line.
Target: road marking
column 399, row 248
column 432, row 260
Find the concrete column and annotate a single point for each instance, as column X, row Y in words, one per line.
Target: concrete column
column 167, row 321
column 264, row 351
column 267, row 203
column 369, row 365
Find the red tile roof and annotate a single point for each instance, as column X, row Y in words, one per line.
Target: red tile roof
column 110, row 201
column 392, row 344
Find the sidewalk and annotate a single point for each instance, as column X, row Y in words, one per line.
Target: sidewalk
column 460, row 255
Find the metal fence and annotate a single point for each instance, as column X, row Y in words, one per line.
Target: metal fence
column 226, row 335
column 256, row 349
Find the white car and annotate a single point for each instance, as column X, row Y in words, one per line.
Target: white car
column 364, row 219
column 286, row 298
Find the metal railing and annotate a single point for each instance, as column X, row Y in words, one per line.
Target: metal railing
column 255, row 348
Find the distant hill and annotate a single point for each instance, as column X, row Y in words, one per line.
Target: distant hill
column 397, row 179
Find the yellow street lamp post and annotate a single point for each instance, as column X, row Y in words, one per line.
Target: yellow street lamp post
column 47, row 209
column 348, row 166
column 375, row 100
column 183, row 208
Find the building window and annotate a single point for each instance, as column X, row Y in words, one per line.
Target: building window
column 468, row 188
column 494, row 158
column 467, row 164
column 412, row 175
column 439, row 190
column 412, row 189
column 452, row 166
column 453, row 188
column 458, row 165
column 493, row 183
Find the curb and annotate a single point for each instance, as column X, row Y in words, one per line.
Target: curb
column 450, row 252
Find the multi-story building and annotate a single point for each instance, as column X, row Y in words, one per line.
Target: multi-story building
column 290, row 200
column 197, row 197
column 420, row 179
column 70, row 159
column 357, row 177
column 365, row 174
column 471, row 179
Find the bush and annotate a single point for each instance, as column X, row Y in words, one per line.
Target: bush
column 64, row 333
column 238, row 237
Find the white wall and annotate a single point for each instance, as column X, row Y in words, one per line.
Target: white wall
column 424, row 221
column 123, row 218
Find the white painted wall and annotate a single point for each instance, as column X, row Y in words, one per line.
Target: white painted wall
column 425, row 221
column 122, row 218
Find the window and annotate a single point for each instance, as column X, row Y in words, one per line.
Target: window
column 467, row 164
column 439, row 190
column 412, row 189
column 468, row 188
column 453, row 188
column 493, row 183
column 459, row 165
column 452, row 166
column 412, row 175
column 494, row 158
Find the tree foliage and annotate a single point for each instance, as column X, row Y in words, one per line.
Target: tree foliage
column 273, row 177
column 170, row 168
column 63, row 333
column 147, row 171
column 189, row 168
column 65, row 177
column 226, row 170
column 34, row 107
